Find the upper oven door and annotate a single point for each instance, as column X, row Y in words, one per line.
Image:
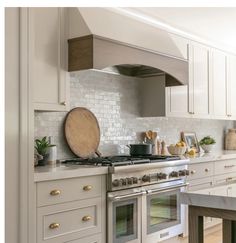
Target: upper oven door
column 163, row 212
column 124, row 217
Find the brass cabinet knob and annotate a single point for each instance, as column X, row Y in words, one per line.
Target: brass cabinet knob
column 63, row 103
column 54, row 226
column 87, row 188
column 86, row 218
column 193, row 172
column 55, row 192
column 207, row 170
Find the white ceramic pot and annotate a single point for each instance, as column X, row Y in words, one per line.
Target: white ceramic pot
column 207, row 147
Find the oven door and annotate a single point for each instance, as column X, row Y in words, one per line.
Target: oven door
column 164, row 214
column 124, row 216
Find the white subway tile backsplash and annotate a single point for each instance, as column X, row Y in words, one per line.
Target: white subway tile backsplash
column 115, row 102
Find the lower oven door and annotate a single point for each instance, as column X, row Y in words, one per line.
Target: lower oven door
column 124, row 216
column 164, row 216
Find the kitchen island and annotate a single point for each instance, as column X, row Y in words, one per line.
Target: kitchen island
column 201, row 204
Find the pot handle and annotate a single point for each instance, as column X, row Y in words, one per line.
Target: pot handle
column 128, row 146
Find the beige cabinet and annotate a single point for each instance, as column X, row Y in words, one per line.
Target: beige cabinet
column 199, row 80
column 231, row 87
column 71, row 210
column 47, row 57
column 177, row 101
column 219, row 82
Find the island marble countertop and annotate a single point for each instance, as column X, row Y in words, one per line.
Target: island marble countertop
column 62, row 171
column 203, row 199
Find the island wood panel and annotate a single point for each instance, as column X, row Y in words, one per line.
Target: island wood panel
column 196, row 214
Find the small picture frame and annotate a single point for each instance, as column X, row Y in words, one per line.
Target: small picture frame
column 191, row 141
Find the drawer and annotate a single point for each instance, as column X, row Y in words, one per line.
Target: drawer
column 65, row 222
column 60, row 191
column 225, row 166
column 225, row 178
column 199, row 184
column 91, row 239
column 200, row 170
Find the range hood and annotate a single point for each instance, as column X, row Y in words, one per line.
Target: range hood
column 94, row 51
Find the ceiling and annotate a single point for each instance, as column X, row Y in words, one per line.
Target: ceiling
column 217, row 25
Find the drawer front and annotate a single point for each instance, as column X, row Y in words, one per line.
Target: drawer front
column 91, row 239
column 64, row 222
column 200, row 170
column 225, row 166
column 199, row 184
column 225, row 178
column 60, row 191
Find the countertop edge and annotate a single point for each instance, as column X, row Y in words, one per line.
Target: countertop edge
column 65, row 174
column 204, row 200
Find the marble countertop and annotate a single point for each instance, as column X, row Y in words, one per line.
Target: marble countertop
column 62, row 171
column 213, row 156
column 202, row 199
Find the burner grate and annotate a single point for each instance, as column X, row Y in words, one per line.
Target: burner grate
column 119, row 160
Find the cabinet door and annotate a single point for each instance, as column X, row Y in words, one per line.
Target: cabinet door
column 47, row 57
column 231, row 87
column 177, row 101
column 199, row 80
column 219, row 84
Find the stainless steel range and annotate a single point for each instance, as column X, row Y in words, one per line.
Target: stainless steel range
column 143, row 197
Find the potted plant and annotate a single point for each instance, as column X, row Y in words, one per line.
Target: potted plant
column 207, row 144
column 42, row 146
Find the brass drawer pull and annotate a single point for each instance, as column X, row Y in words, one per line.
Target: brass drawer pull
column 55, row 192
column 54, row 226
column 86, row 218
column 229, row 166
column 87, row 188
column 207, row 170
column 63, row 103
column 193, row 172
column 229, row 179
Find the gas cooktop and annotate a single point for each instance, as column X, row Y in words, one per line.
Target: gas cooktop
column 119, row 160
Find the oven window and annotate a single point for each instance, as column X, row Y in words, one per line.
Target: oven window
column 125, row 217
column 163, row 211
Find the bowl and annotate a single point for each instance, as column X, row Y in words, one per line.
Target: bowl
column 175, row 150
column 207, row 148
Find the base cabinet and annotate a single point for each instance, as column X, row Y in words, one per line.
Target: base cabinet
column 66, row 218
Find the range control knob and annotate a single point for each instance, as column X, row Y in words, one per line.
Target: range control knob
column 129, row 181
column 116, row 183
column 123, row 182
column 146, row 178
column 183, row 172
column 174, row 174
column 135, row 180
column 161, row 176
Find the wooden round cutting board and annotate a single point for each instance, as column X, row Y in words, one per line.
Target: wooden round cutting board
column 82, row 132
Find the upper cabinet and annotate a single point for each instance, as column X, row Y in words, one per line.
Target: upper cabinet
column 48, row 58
column 231, row 87
column 199, row 80
column 219, row 84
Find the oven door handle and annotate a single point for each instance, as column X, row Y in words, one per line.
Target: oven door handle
column 167, row 188
column 117, row 198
